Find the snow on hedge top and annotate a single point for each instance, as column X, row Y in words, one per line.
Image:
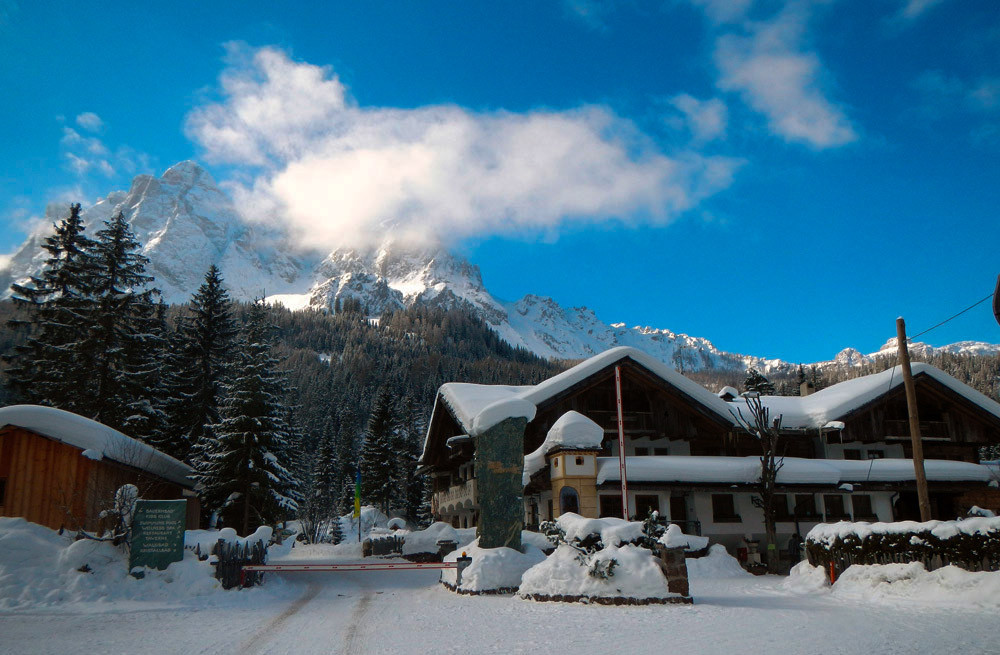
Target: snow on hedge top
column 89, row 435
column 574, row 431
column 795, row 470
column 468, row 401
column 613, row 531
column 819, row 409
column 827, row 533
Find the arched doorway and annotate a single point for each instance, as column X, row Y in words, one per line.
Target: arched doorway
column 569, row 501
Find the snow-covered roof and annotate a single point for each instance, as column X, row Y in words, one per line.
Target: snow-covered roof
column 95, row 438
column 795, row 470
column 470, row 402
column 573, row 431
column 819, row 409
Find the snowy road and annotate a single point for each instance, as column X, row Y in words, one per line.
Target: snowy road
column 407, row 612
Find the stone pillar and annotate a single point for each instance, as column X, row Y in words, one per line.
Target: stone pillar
column 500, row 491
column 674, row 567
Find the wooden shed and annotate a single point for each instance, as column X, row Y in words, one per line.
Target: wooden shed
column 61, row 470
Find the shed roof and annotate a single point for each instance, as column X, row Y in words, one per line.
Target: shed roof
column 86, row 434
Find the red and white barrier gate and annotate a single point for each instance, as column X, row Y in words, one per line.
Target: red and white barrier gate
column 359, row 566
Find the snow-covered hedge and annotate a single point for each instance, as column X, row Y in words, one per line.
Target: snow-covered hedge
column 631, row 575
column 492, row 570
column 972, row 544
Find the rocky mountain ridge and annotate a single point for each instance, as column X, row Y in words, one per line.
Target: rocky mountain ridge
column 186, row 223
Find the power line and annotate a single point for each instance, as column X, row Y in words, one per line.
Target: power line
column 976, row 304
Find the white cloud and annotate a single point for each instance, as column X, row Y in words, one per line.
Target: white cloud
column 724, row 11
column 776, row 77
column 90, row 121
column 976, row 101
column 706, row 119
column 913, row 9
column 341, row 174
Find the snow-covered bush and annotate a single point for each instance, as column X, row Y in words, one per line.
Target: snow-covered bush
column 492, row 570
column 971, row 543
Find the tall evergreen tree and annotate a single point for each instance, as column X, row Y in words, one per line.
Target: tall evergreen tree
column 379, row 465
column 243, row 462
column 198, row 365
column 120, row 344
column 347, row 459
column 410, row 486
column 758, row 383
column 47, row 368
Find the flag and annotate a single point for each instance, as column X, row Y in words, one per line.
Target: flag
column 357, row 493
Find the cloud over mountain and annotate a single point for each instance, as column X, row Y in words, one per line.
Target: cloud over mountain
column 340, row 174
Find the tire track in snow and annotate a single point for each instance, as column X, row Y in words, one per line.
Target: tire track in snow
column 256, row 642
column 354, row 641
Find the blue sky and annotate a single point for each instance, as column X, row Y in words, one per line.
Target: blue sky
column 782, row 178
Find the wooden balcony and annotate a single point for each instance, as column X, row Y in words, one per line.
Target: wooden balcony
column 931, row 430
column 458, row 494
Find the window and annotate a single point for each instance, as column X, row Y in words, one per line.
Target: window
column 549, row 507
column 611, row 506
column 646, row 504
column 569, row 501
column 835, row 507
column 641, row 452
column 661, row 452
column 3, row 489
column 579, row 461
column 852, row 453
column 781, row 512
column 862, row 507
column 555, row 462
column 805, row 506
column 876, row 454
column 724, row 509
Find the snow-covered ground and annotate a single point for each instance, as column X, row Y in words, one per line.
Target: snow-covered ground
column 409, row 612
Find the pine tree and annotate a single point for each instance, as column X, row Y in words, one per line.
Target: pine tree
column 757, row 383
column 47, row 369
column 120, row 344
column 410, row 445
column 199, row 363
column 347, row 459
column 318, row 509
column 378, row 454
column 243, row 462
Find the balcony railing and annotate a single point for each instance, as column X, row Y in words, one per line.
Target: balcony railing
column 458, row 493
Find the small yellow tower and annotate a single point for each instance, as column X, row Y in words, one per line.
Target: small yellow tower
column 571, row 448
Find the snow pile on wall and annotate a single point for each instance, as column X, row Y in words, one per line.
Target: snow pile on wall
column 39, row 568
column 573, row 431
column 717, row 564
column 612, row 531
column 637, row 575
column 425, row 541
column 674, row 537
column 492, row 569
column 205, row 540
column 902, row 583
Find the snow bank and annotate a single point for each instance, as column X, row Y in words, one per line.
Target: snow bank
column 39, row 568
column 949, row 585
column 205, row 540
column 612, row 531
column 637, row 575
column 804, row 578
column 492, row 569
column 717, row 564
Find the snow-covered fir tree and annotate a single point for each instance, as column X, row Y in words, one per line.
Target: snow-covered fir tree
column 242, row 463
column 379, row 462
column 755, row 381
column 318, row 510
column 409, row 446
column 347, row 459
column 120, row 347
column 47, row 368
column 200, row 357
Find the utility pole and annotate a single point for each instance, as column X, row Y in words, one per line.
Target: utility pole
column 911, row 404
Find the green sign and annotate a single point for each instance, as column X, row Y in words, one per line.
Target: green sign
column 157, row 533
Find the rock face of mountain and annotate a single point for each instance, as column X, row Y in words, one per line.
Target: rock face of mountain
column 187, row 223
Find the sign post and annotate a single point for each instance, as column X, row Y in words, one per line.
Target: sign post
column 157, row 533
